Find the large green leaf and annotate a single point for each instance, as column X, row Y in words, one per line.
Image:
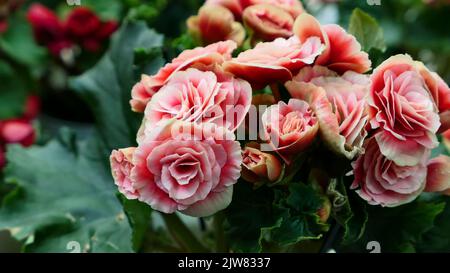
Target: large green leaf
column 107, row 86
column 398, row 229
column 366, row 30
column 139, row 215
column 302, row 221
column 250, row 216
column 438, row 239
column 64, row 195
column 349, row 210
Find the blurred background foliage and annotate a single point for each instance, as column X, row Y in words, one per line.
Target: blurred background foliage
column 416, row 27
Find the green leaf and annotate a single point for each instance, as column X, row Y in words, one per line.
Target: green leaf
column 349, row 210
column 18, row 42
column 107, row 86
column 250, row 217
column 64, row 193
column 437, row 239
column 366, row 30
column 139, row 215
column 302, row 221
column 13, row 92
column 399, row 229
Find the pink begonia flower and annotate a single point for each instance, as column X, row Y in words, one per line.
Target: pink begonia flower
column 340, row 104
column 237, row 7
column 342, row 51
column 200, row 57
column 402, row 108
column 268, row 22
column 294, row 7
column 290, row 128
column 187, row 167
column 259, row 166
column 201, row 96
column 275, row 61
column 380, row 181
column 438, row 178
column 121, row 164
column 439, row 91
column 214, row 24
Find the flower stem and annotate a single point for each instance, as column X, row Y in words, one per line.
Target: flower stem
column 181, row 234
column 221, row 244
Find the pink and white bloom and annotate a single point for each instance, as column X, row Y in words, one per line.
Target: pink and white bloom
column 200, row 57
column 402, row 108
column 342, row 51
column 121, row 164
column 214, row 24
column 440, row 93
column 275, row 61
column 380, row 181
column 290, row 128
column 340, row 103
column 201, row 97
column 187, row 167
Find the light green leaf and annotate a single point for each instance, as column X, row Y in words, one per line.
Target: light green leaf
column 366, row 30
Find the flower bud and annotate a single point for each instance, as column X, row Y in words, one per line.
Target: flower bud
column 268, row 22
column 438, row 176
column 215, row 23
column 121, row 165
column 259, row 167
column 325, row 211
column 17, row 131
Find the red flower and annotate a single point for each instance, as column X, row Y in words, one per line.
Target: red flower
column 106, row 29
column 85, row 27
column 17, row 131
column 47, row 28
column 32, row 107
column 82, row 23
column 2, row 158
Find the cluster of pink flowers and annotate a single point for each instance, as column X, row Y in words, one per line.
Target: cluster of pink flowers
column 408, row 106
column 220, row 20
column 19, row 130
column 82, row 27
column 187, row 158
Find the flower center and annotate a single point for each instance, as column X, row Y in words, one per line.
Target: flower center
column 293, row 122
